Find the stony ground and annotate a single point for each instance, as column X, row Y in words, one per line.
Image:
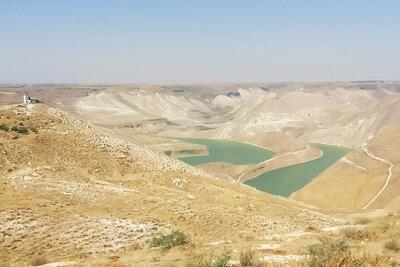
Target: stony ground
column 68, row 193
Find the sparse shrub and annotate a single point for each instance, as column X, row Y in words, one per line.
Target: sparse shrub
column 21, row 124
column 35, row 130
column 327, row 252
column 41, row 260
column 167, row 241
column 199, row 261
column 312, row 228
column 14, row 128
column 4, row 127
column 222, row 260
column 331, row 252
column 393, row 245
column 359, row 234
column 247, row 258
column 23, row 130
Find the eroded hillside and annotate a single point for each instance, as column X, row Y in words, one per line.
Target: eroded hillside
column 68, row 192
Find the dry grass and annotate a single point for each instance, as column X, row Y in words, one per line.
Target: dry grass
column 199, row 261
column 362, row 220
column 336, row 252
column 359, row 234
column 387, row 227
column 393, row 244
column 221, row 260
column 248, row 258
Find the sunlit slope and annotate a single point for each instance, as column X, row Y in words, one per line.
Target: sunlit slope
column 82, row 193
column 343, row 115
column 357, row 179
column 335, row 116
column 284, row 181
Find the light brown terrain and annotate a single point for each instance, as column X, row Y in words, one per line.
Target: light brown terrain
column 88, row 183
column 353, row 181
column 68, row 192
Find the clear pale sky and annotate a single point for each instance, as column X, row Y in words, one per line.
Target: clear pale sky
column 172, row 41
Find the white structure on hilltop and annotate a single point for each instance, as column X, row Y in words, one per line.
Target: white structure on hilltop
column 26, row 98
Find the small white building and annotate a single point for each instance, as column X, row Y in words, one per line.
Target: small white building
column 26, row 99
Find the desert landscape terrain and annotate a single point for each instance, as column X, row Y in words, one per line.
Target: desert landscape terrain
column 94, row 173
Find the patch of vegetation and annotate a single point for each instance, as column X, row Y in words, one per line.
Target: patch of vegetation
column 336, row 252
column 386, row 227
column 199, row 261
column 20, row 128
column 23, row 130
column 187, row 151
column 167, row 241
column 4, row 127
column 393, row 244
column 204, row 128
column 221, row 260
column 359, row 234
column 248, row 258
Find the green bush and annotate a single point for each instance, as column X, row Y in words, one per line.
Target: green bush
column 23, row 130
column 167, row 241
column 222, row 260
column 4, row 127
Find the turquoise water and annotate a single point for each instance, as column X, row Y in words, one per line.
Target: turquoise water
column 227, row 151
column 285, row 181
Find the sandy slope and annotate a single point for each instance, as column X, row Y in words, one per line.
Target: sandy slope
column 282, row 117
column 334, row 113
column 353, row 182
column 81, row 193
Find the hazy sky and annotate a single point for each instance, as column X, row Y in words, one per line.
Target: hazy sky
column 198, row 41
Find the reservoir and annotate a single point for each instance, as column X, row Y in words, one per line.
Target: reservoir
column 227, row 151
column 284, row 181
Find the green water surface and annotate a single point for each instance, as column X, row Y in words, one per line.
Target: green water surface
column 227, row 151
column 286, row 180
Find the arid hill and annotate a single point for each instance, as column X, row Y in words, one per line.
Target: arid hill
column 367, row 178
column 71, row 194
